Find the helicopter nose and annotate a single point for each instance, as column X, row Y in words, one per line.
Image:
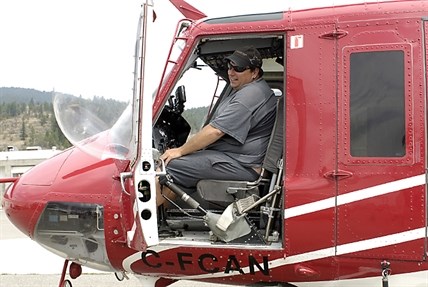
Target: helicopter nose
column 60, row 205
column 25, row 199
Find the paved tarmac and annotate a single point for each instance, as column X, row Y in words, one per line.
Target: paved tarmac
column 24, row 263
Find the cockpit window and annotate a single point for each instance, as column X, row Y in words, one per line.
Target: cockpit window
column 83, row 218
column 87, row 124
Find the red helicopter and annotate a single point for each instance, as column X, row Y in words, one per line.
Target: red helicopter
column 342, row 199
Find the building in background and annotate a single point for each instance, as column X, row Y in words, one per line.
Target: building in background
column 13, row 162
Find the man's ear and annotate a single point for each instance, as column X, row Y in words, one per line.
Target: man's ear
column 256, row 72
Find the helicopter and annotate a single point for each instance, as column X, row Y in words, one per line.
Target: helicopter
column 342, row 196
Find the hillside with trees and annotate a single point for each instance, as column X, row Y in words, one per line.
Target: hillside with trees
column 22, row 95
column 27, row 118
column 195, row 117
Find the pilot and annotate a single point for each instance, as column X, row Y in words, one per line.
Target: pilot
column 233, row 144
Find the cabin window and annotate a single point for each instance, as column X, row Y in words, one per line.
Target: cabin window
column 377, row 104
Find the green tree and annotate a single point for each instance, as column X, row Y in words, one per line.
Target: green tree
column 32, row 136
column 12, row 109
column 31, row 106
column 43, row 119
column 23, row 133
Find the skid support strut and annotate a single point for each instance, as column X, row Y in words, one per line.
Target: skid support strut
column 62, row 282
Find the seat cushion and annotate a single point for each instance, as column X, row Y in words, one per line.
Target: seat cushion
column 223, row 192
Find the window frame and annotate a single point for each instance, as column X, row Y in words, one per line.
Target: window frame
column 408, row 157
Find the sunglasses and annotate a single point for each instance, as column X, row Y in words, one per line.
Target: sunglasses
column 237, row 69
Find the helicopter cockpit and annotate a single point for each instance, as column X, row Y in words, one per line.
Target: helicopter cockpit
column 194, row 95
column 178, row 121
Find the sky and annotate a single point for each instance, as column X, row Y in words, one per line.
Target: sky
column 86, row 47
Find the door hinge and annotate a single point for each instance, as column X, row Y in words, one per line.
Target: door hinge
column 335, row 34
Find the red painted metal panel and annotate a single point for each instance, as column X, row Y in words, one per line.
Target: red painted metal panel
column 393, row 211
column 310, row 133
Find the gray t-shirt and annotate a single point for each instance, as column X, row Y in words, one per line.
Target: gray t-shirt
column 246, row 117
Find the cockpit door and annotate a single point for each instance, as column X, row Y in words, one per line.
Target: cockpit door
column 144, row 231
column 310, row 139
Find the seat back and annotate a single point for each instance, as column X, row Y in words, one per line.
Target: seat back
column 275, row 147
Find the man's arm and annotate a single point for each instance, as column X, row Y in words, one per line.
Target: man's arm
column 202, row 139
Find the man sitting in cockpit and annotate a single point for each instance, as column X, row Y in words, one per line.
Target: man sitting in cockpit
column 233, row 144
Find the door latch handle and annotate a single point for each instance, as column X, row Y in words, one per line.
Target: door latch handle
column 338, row 174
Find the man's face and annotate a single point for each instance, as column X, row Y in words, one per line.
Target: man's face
column 239, row 76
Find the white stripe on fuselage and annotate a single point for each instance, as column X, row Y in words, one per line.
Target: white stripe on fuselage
column 354, row 196
column 344, row 249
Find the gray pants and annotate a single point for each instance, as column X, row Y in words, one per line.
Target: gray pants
column 207, row 164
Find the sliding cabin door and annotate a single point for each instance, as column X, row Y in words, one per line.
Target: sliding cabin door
column 381, row 199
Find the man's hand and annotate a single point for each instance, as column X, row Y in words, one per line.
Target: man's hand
column 201, row 140
column 171, row 154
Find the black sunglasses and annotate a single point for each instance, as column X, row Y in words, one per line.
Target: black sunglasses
column 237, row 69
